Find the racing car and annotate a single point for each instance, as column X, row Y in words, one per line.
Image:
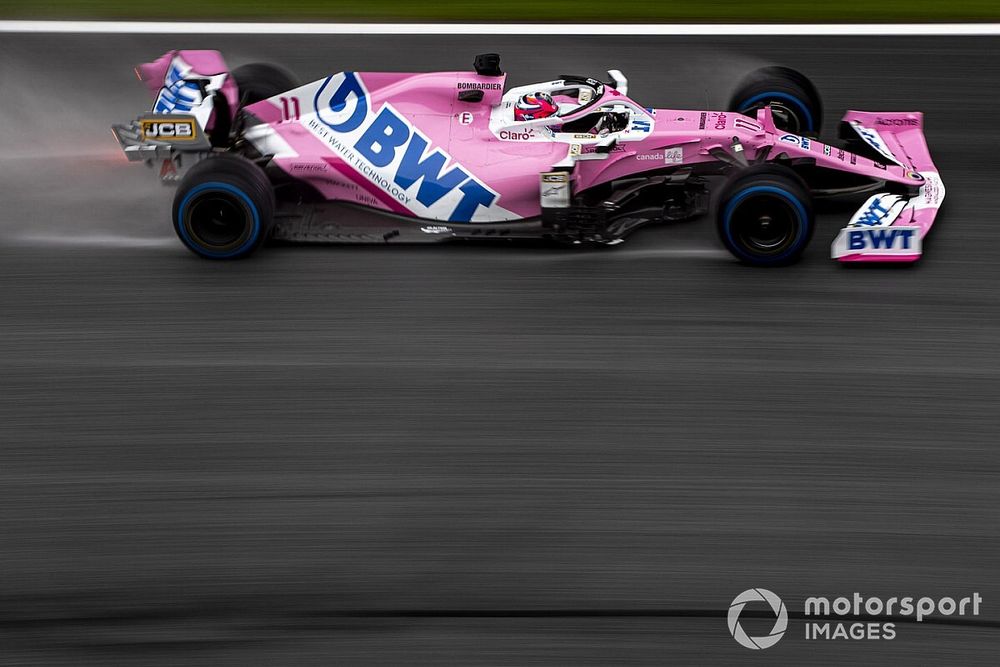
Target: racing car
column 370, row 157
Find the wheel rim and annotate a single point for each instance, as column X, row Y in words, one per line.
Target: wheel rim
column 785, row 118
column 790, row 113
column 219, row 221
column 765, row 224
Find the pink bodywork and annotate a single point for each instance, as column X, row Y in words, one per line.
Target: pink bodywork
column 903, row 135
column 449, row 158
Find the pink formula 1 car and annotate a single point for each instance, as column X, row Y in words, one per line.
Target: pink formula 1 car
column 392, row 158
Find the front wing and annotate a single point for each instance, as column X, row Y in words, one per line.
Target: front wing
column 890, row 227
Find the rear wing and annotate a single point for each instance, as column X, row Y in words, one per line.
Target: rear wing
column 194, row 98
column 890, row 227
column 159, row 136
column 191, row 82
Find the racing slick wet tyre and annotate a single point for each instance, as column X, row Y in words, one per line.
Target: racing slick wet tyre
column 795, row 102
column 765, row 215
column 224, row 207
column 259, row 81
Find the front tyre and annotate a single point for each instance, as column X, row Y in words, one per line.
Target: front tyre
column 224, row 208
column 795, row 103
column 765, row 215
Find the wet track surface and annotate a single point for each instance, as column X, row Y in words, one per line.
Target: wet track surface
column 332, row 455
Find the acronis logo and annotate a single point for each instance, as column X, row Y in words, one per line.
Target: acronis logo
column 396, row 157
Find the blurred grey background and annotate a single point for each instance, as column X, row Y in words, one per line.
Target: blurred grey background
column 484, row 455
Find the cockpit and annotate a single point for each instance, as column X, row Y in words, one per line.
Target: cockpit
column 584, row 106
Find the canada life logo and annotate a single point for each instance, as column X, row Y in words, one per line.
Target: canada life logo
column 780, row 621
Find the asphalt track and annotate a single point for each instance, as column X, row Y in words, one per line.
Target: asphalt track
column 485, row 455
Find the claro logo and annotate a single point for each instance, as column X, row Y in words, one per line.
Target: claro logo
column 513, row 135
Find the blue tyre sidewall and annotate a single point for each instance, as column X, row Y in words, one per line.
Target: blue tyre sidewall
column 217, row 186
column 801, row 239
column 787, row 97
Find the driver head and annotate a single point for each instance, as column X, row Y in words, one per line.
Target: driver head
column 534, row 106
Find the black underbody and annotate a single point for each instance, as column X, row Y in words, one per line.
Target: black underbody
column 603, row 215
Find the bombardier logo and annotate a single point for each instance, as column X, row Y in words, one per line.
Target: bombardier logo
column 475, row 85
column 386, row 149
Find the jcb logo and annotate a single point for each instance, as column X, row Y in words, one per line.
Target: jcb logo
column 168, row 130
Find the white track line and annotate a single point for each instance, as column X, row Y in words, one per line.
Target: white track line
column 675, row 29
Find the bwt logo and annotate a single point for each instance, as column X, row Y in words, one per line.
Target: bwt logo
column 881, row 210
column 880, row 239
column 395, row 155
column 873, row 214
column 873, row 139
column 178, row 93
column 780, row 622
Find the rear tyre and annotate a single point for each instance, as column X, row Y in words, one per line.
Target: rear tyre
column 794, row 100
column 260, row 81
column 765, row 215
column 224, row 208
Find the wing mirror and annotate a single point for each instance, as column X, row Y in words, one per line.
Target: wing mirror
column 488, row 64
column 621, row 83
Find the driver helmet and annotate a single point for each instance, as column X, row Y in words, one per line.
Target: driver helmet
column 535, row 106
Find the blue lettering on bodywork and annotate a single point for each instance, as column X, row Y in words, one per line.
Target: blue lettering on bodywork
column 338, row 102
column 178, row 94
column 474, row 195
column 434, row 185
column 879, row 239
column 380, row 141
column 389, row 132
column 873, row 214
